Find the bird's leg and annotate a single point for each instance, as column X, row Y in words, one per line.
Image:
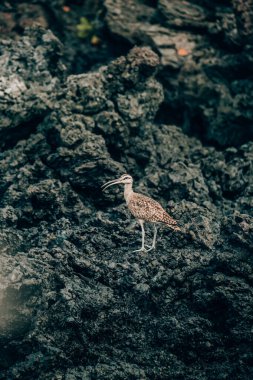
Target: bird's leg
column 154, row 239
column 142, row 237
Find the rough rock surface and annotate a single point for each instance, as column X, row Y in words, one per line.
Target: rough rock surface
column 25, row 100
column 206, row 63
column 205, row 51
column 75, row 302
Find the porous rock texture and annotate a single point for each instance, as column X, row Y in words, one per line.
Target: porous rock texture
column 205, row 49
column 75, row 301
column 206, row 61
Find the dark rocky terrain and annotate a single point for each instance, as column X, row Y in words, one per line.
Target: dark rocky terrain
column 75, row 302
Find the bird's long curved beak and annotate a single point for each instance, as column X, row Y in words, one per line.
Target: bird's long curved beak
column 110, row 183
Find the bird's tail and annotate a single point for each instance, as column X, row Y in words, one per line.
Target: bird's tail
column 174, row 227
column 171, row 223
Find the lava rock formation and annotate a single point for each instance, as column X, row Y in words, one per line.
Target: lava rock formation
column 75, row 302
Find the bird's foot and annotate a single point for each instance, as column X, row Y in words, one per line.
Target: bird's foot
column 150, row 248
column 142, row 249
column 145, row 249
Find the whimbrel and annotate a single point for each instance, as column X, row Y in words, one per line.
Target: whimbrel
column 143, row 208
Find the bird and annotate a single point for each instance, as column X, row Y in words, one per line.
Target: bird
column 144, row 209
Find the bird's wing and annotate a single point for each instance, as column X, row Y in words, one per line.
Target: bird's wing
column 143, row 207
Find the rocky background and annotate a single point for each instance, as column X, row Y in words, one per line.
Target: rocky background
column 90, row 90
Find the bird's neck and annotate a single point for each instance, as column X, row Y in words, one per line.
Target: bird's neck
column 128, row 191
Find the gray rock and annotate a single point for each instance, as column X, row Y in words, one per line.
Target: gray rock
column 20, row 92
column 205, row 90
column 75, row 301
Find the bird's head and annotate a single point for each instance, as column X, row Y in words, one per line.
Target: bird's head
column 125, row 179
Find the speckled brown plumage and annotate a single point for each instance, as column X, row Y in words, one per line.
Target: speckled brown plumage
column 147, row 209
column 144, row 209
